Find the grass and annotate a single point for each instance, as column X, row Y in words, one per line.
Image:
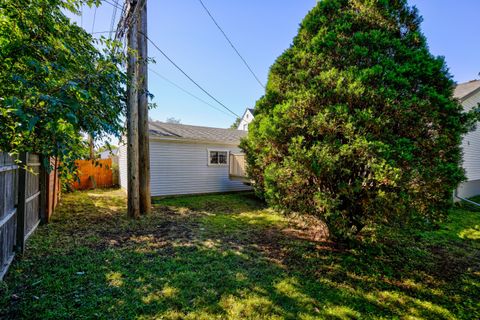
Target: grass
column 229, row 257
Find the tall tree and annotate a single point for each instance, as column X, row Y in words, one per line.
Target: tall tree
column 358, row 125
column 236, row 123
column 56, row 84
column 173, row 120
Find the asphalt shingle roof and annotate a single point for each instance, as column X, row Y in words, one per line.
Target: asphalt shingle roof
column 182, row 131
column 464, row 89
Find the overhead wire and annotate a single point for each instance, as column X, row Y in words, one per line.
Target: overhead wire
column 188, row 92
column 94, row 17
column 97, row 32
column 186, row 75
column 114, row 16
column 115, row 5
column 231, row 44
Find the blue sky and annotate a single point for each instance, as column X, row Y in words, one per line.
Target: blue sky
column 261, row 30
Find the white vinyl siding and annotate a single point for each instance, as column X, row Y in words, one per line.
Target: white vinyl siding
column 468, row 189
column 471, row 144
column 245, row 121
column 182, row 168
column 122, row 165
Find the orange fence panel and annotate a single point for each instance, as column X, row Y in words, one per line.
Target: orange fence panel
column 94, row 174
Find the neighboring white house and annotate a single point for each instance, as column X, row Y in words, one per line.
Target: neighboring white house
column 108, row 154
column 246, row 119
column 469, row 95
column 188, row 159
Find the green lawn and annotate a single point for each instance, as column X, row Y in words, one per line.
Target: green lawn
column 229, row 257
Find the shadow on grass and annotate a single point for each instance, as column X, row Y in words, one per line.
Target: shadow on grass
column 192, row 260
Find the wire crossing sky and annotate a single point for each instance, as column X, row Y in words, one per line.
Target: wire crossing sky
column 260, row 31
column 231, row 44
column 189, row 78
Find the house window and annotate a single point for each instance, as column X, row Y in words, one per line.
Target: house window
column 216, row 157
column 245, row 127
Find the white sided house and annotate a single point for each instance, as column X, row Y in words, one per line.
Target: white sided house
column 469, row 95
column 246, row 119
column 188, row 159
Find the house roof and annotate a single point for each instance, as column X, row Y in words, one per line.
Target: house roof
column 107, row 153
column 251, row 110
column 196, row 133
column 463, row 90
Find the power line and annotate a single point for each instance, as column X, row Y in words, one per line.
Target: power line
column 127, row 18
column 115, row 5
column 97, row 32
column 189, row 78
column 114, row 15
column 231, row 44
column 188, row 92
column 94, row 16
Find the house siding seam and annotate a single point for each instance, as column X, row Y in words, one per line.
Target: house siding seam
column 471, row 144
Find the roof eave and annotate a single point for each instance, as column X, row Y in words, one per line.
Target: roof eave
column 197, row 141
column 468, row 95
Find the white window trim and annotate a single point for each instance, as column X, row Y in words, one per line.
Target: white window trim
column 218, row 164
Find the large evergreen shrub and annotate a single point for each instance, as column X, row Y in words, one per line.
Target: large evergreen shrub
column 358, row 125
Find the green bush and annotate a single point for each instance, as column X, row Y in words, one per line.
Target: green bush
column 358, row 125
column 57, row 81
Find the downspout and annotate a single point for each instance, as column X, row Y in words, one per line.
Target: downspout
column 455, row 194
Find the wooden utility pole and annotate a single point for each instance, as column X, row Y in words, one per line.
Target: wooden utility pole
column 132, row 122
column 133, row 23
column 143, row 131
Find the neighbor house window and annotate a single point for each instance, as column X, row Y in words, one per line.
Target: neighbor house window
column 216, row 157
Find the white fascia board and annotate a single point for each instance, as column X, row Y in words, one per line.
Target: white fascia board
column 184, row 140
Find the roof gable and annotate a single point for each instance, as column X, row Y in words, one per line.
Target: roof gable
column 250, row 110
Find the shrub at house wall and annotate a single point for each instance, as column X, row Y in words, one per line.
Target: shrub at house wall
column 358, row 125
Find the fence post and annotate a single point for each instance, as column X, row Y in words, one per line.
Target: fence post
column 21, row 206
column 43, row 190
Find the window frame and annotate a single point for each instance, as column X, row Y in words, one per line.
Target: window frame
column 218, row 164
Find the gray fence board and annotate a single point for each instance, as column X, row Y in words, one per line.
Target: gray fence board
column 8, row 216
column 20, row 201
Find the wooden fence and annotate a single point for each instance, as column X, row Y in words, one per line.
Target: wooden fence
column 8, row 211
column 53, row 189
column 29, row 198
column 23, row 203
column 94, row 174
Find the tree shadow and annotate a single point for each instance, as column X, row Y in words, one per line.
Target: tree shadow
column 205, row 263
